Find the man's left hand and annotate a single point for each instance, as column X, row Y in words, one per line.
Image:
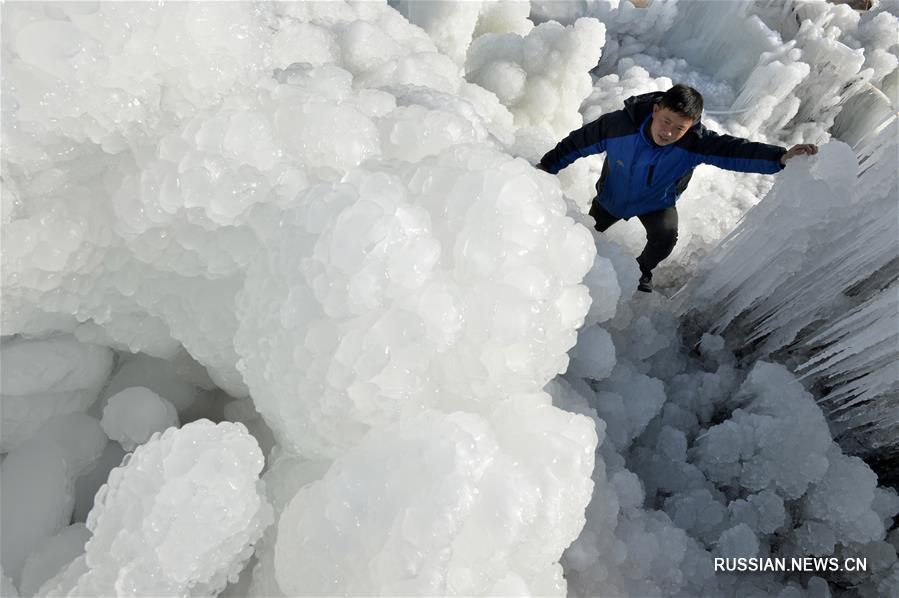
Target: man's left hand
column 804, row 149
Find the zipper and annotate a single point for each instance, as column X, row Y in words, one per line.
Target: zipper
column 649, row 176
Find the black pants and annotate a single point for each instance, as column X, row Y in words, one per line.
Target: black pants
column 661, row 233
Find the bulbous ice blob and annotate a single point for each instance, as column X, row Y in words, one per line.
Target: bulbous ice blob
column 411, row 133
column 842, row 500
column 778, row 439
column 178, row 380
column 132, row 415
column 443, row 501
column 541, row 76
column 738, row 541
column 594, row 355
column 456, row 280
column 45, row 378
column 183, row 514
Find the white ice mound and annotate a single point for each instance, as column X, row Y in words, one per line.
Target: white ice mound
column 134, row 414
column 449, row 24
column 142, row 236
column 776, row 439
column 450, row 283
column 452, row 25
column 179, row 517
column 541, row 77
column 444, row 504
column 45, row 378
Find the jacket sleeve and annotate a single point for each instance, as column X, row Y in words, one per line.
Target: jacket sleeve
column 736, row 153
column 586, row 141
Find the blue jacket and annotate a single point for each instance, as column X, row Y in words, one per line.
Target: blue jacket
column 640, row 176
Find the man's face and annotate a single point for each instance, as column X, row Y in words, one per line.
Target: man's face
column 668, row 127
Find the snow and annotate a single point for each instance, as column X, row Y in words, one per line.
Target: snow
column 318, row 225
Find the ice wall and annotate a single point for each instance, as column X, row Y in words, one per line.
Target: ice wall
column 325, row 216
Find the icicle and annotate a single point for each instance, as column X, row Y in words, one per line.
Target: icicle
column 811, row 276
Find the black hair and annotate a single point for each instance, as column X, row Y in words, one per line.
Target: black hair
column 684, row 100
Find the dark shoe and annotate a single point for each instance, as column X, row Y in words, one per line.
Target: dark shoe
column 645, row 283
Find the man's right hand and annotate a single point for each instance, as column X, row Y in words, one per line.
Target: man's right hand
column 808, row 149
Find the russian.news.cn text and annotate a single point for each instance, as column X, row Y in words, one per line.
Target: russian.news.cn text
column 801, row 564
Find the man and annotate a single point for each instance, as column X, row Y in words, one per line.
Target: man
column 652, row 147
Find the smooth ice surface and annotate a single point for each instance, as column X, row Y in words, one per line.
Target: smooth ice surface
column 134, row 414
column 45, row 378
column 52, row 555
column 87, row 484
column 37, row 484
column 7, row 588
column 178, row 380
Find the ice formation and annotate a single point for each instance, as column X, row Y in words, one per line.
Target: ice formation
column 180, row 380
column 132, row 415
column 524, row 72
column 830, row 297
column 179, row 517
column 43, row 379
column 37, row 479
column 52, row 555
column 319, row 220
column 414, row 500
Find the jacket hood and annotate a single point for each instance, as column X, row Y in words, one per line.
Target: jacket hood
column 639, row 107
